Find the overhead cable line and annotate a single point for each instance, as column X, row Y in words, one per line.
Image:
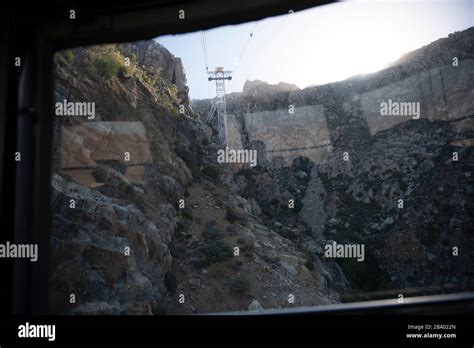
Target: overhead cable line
column 204, row 48
column 244, row 49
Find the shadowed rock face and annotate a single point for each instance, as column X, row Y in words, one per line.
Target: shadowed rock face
column 301, row 133
column 121, row 243
column 444, row 93
column 351, row 108
column 115, row 183
column 389, row 158
column 89, row 260
column 104, row 204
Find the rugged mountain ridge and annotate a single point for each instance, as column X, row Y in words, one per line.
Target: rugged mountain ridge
column 388, row 159
column 154, row 58
column 123, row 242
column 143, row 213
column 117, row 207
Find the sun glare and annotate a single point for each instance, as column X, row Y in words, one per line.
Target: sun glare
column 364, row 39
column 337, row 41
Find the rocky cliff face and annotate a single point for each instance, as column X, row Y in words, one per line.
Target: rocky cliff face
column 147, row 222
column 371, row 178
column 151, row 57
column 347, row 110
column 259, row 89
column 115, row 184
column 142, row 212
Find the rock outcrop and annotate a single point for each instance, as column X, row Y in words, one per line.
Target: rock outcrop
column 142, row 211
column 150, row 55
column 115, row 186
column 376, row 179
column 258, row 89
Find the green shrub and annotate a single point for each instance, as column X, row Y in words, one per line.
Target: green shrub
column 291, row 235
column 173, row 90
column 187, row 213
column 182, row 228
column 270, row 259
column 298, row 206
column 176, row 249
column 302, row 163
column 106, row 68
column 212, row 234
column 108, row 62
column 122, row 71
column 216, row 251
column 187, row 156
column 170, row 282
column 148, row 80
column 159, row 309
column 151, row 77
column 239, row 285
column 247, row 246
column 364, row 276
column 232, row 230
column 310, row 259
column 211, row 171
column 134, row 58
column 308, row 231
column 273, row 201
column 433, row 234
column 211, row 231
column 232, row 215
column 210, row 224
column 68, row 56
column 184, row 154
column 236, row 264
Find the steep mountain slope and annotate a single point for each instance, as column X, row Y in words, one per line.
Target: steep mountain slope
column 362, row 163
column 144, row 221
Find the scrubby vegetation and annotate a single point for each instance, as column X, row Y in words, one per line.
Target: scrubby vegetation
column 188, row 157
column 170, row 282
column 364, row 276
column 108, row 62
column 233, row 215
column 214, row 250
column 211, row 232
column 67, row 56
column 212, row 171
column 239, row 285
column 310, row 259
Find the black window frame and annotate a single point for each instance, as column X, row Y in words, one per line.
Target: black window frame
column 26, row 120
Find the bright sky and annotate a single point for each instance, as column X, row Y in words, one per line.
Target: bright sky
column 320, row 45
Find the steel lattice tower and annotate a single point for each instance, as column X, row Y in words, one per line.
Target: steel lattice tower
column 220, row 75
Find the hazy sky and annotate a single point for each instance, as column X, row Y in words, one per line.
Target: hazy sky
column 320, row 45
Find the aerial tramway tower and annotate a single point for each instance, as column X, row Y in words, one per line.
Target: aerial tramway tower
column 220, row 75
